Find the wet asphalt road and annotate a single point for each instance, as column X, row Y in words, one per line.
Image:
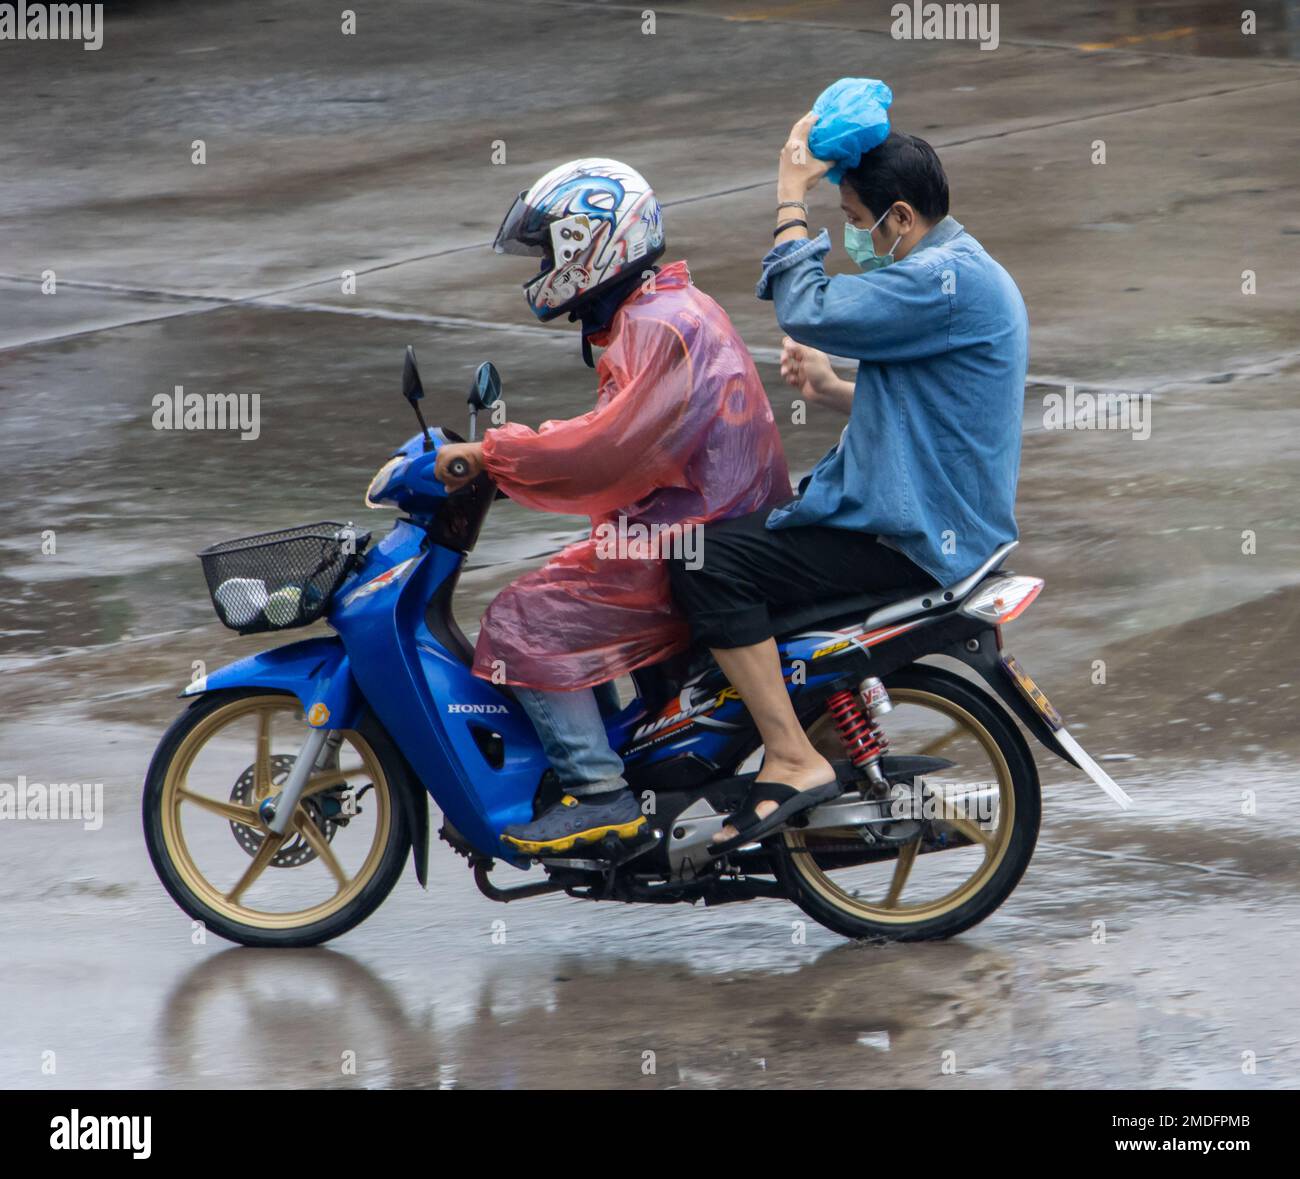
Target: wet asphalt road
column 373, row 154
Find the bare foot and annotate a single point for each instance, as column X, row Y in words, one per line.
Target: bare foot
column 802, row 776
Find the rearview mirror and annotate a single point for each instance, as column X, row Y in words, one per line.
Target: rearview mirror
column 412, row 390
column 486, row 388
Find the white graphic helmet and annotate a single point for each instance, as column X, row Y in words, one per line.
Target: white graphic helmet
column 592, row 222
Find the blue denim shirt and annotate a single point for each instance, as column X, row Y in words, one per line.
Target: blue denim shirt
column 930, row 457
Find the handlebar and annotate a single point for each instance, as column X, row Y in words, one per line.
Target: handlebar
column 458, row 468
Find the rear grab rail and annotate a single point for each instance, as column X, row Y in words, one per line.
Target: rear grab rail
column 943, row 596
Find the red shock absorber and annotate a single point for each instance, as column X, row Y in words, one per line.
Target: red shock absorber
column 863, row 741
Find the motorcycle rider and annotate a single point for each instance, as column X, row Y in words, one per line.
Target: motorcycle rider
column 682, row 433
column 920, row 488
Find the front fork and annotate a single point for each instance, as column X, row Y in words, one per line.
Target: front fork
column 278, row 810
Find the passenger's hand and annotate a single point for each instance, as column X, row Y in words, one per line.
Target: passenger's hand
column 807, row 370
column 799, row 169
column 454, row 454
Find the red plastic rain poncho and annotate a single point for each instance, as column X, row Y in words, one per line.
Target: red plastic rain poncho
column 682, row 433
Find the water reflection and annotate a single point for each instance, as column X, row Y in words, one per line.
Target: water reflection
column 854, row 1016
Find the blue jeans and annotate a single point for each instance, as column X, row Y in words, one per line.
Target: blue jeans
column 572, row 731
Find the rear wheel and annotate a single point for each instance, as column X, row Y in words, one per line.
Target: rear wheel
column 339, row 858
column 972, row 826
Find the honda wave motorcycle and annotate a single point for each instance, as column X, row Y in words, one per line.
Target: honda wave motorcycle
column 281, row 806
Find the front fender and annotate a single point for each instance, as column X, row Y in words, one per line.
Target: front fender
column 317, row 671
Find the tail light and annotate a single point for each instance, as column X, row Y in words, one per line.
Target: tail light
column 1002, row 599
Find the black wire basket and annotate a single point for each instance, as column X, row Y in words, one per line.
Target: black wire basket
column 279, row 580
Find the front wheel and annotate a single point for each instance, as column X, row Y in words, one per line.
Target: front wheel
column 972, row 826
column 340, row 856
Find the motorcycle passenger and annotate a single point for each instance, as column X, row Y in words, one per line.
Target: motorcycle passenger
column 681, row 433
column 920, row 489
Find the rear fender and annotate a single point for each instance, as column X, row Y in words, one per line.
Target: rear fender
column 986, row 660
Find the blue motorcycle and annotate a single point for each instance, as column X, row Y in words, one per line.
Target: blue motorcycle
column 281, row 806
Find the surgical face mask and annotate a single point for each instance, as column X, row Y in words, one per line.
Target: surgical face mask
column 859, row 246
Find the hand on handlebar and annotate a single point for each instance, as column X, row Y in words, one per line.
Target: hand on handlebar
column 458, row 463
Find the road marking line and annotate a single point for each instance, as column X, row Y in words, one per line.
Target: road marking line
column 1138, row 39
column 781, row 12
column 1110, row 855
column 219, row 302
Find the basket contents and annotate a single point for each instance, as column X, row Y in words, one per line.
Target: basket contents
column 278, row 580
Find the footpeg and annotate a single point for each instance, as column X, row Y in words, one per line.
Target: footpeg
column 609, row 853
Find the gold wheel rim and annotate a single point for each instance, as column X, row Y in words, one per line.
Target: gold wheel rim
column 229, row 904
column 892, row 910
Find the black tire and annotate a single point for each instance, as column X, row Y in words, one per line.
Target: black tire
column 1015, row 859
column 371, row 896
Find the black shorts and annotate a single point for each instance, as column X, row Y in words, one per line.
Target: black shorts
column 749, row 571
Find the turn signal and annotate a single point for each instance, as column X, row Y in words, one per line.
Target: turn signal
column 1002, row 599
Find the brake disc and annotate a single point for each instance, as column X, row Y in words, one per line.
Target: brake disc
column 295, row 850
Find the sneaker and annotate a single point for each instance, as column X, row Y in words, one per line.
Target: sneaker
column 572, row 821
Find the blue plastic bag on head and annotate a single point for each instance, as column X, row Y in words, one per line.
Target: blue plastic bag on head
column 853, row 117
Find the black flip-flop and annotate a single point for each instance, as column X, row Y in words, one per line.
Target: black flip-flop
column 790, row 802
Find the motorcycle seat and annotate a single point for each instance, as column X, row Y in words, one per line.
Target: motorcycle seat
column 881, row 609
column 828, row 614
column 658, row 683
